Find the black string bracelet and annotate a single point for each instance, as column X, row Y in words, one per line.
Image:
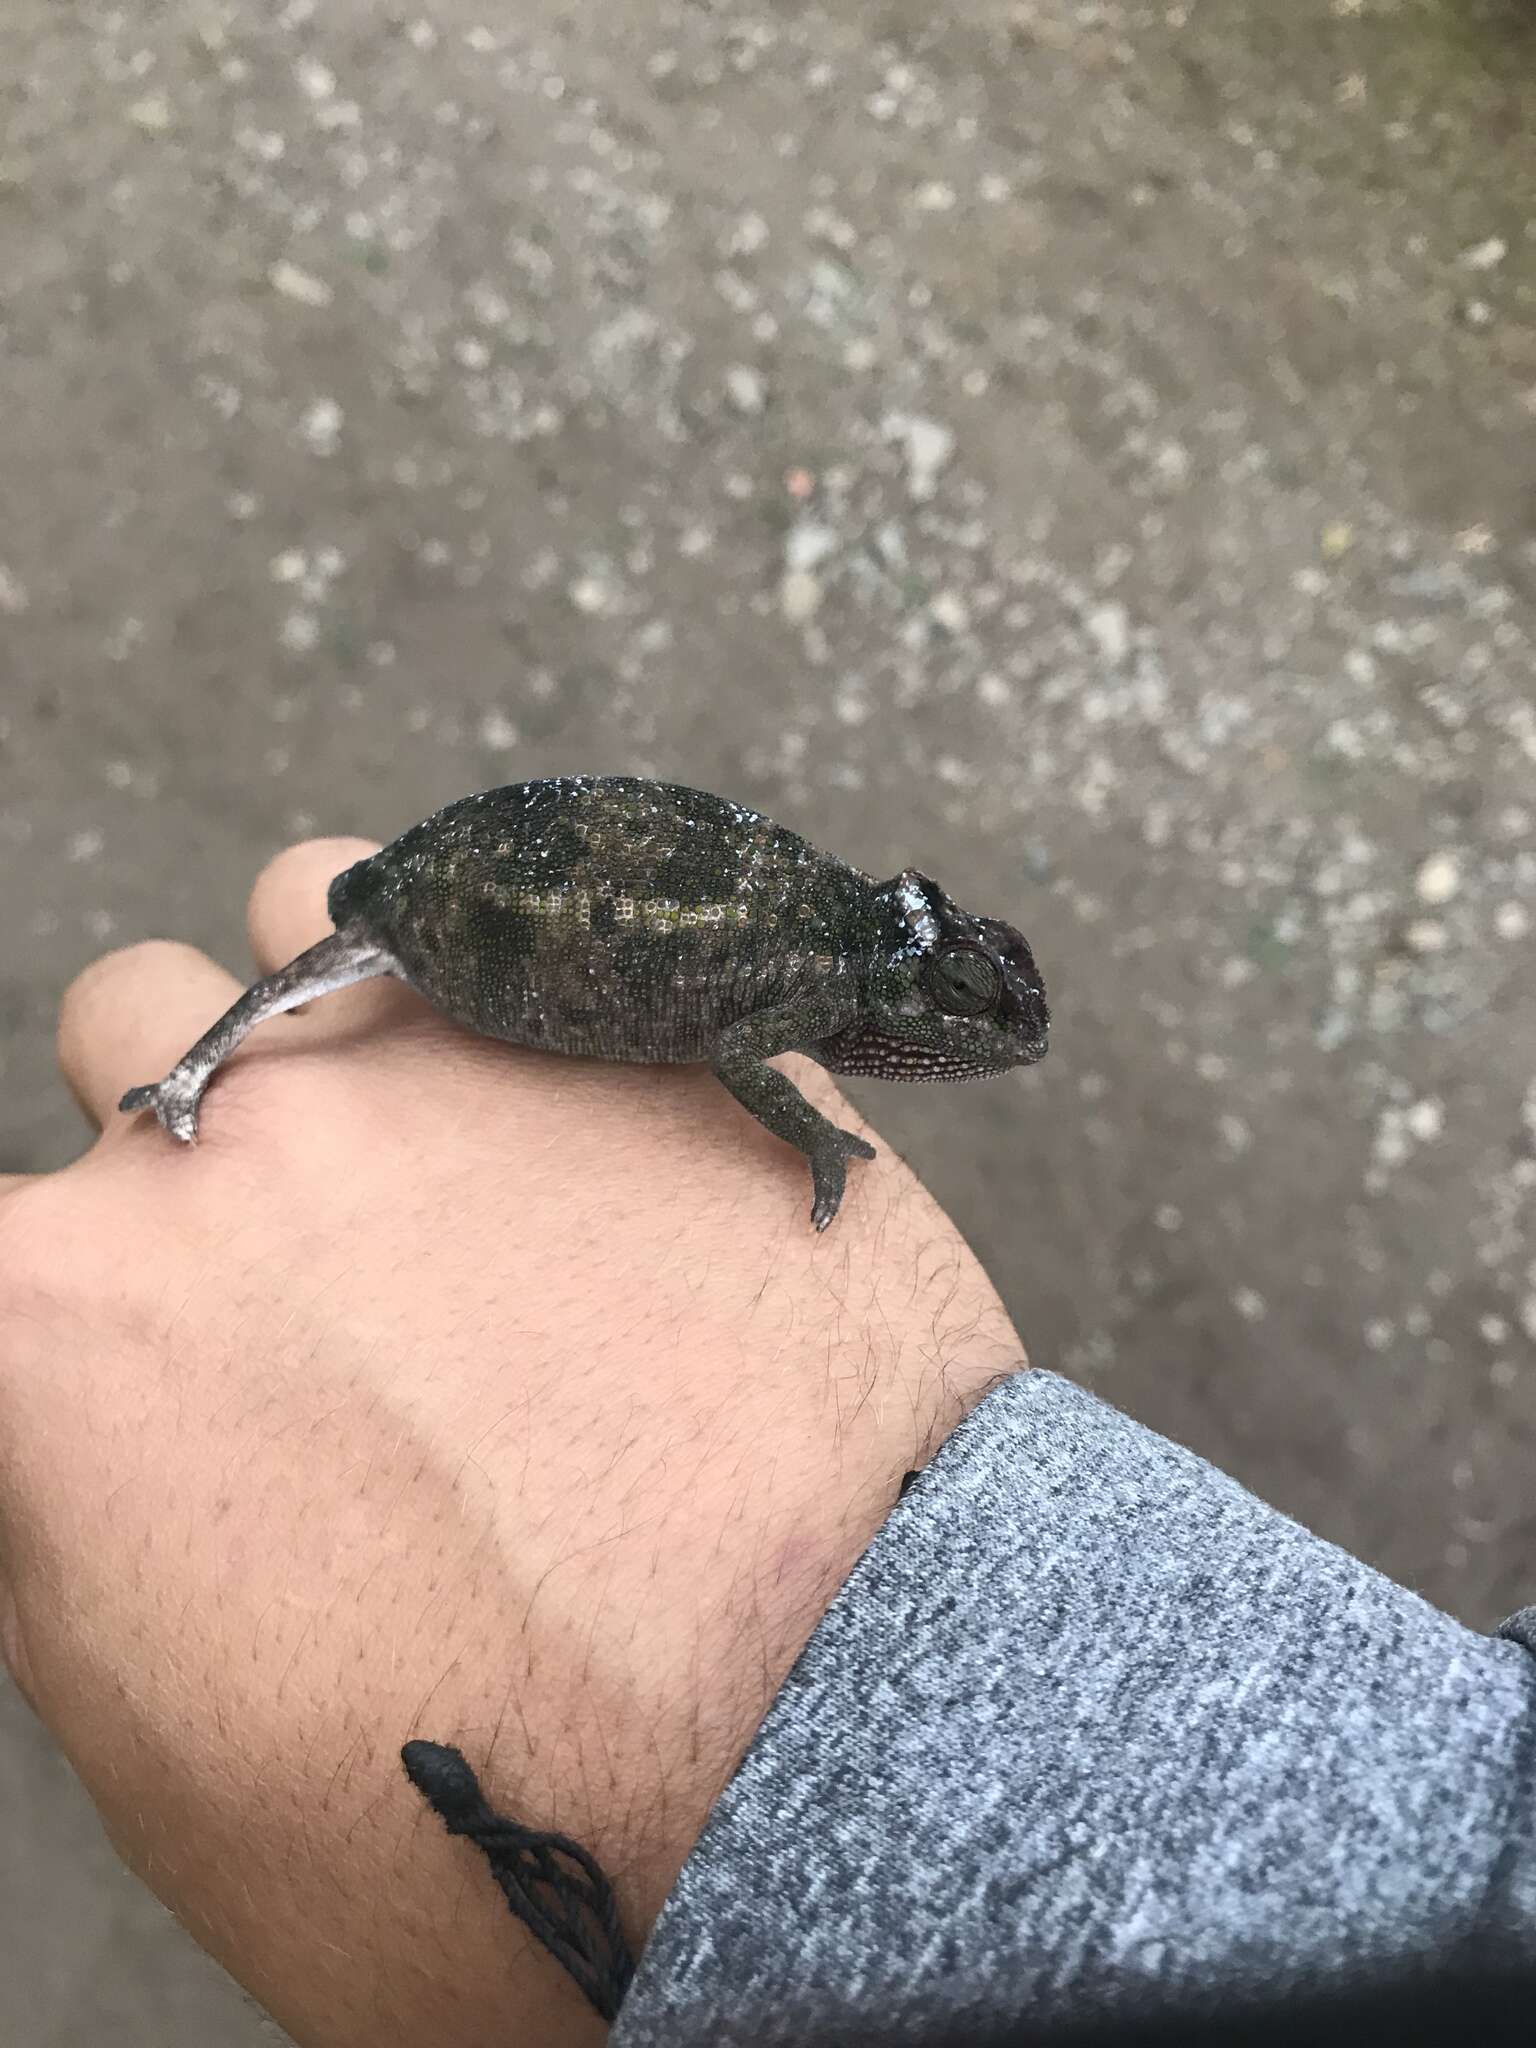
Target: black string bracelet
column 551, row 1883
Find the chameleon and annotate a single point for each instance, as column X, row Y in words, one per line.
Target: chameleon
column 626, row 919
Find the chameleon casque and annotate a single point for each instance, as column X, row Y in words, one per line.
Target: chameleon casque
column 632, row 920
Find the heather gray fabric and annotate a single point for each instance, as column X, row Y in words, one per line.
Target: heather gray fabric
column 1090, row 1724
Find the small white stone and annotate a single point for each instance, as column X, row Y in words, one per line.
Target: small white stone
column 1346, row 739
column 591, row 594
column 1425, row 1119
column 1438, row 879
column 1390, row 1146
column 746, row 387
column 1485, row 255
column 301, row 632
column 14, row 596
column 1111, row 628
column 749, row 235
column 654, row 637
column 1492, row 1329
column 807, row 545
column 1250, row 1305
column 1511, row 920
column 1528, row 1316
column 929, row 446
column 290, row 567
column 299, row 285
column 119, row 645
column 934, row 197
column 1425, row 935
column 153, row 114
column 317, row 81
column 268, row 145
column 321, row 426
column 84, row 846
column 1168, row 1216
column 949, row 611
column 498, row 732
column 488, row 306
column 1360, row 666
column 800, row 596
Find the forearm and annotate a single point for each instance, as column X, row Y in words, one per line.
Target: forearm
column 1088, row 1724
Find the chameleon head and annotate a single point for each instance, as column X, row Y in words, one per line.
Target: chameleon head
column 948, row 996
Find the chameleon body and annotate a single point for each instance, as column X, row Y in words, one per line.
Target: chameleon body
column 633, row 920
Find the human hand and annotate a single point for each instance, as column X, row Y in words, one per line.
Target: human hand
column 442, row 1390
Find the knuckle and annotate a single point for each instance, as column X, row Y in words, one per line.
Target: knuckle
column 29, row 1239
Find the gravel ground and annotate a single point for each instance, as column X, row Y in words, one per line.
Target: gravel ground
column 1085, row 451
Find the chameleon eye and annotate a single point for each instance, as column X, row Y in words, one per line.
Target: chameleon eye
column 963, row 981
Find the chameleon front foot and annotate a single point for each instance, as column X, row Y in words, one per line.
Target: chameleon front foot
column 829, row 1173
column 174, row 1102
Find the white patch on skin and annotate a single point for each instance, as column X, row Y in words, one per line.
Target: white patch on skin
column 918, row 912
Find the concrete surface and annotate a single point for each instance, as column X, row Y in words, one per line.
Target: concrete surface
column 1085, row 450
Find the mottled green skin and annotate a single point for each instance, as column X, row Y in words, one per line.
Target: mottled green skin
column 634, row 920
column 614, row 917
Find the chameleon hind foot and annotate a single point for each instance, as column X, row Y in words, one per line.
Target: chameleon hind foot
column 174, row 1101
column 336, row 962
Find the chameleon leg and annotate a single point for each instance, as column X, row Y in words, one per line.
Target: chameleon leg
column 741, row 1063
column 338, row 961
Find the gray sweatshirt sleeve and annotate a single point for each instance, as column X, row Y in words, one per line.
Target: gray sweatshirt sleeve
column 1089, row 1724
